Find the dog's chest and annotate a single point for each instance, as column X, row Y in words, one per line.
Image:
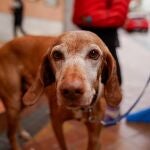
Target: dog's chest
column 80, row 115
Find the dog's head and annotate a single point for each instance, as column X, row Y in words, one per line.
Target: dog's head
column 79, row 63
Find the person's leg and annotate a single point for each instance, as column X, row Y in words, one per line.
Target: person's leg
column 20, row 20
column 15, row 30
column 15, row 27
column 114, row 53
column 22, row 30
column 111, row 113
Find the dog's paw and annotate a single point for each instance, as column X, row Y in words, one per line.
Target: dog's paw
column 25, row 135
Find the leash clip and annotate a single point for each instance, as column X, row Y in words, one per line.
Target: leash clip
column 92, row 118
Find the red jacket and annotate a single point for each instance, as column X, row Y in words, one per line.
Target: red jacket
column 100, row 13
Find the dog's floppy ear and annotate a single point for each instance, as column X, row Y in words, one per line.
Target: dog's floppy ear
column 45, row 77
column 112, row 90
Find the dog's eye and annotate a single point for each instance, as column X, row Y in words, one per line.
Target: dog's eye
column 57, row 55
column 93, row 54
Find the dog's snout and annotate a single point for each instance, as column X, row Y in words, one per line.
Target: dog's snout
column 72, row 90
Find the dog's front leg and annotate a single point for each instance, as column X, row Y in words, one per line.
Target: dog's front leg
column 57, row 116
column 58, row 130
column 12, row 120
column 93, row 135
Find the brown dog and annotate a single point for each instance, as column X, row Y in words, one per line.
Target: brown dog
column 82, row 70
column 19, row 62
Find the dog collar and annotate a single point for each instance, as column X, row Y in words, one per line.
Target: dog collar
column 95, row 97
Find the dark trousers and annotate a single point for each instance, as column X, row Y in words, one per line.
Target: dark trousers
column 113, row 51
column 18, row 23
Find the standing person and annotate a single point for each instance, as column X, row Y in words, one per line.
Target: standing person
column 103, row 17
column 18, row 9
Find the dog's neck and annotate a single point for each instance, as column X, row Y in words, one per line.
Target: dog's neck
column 87, row 114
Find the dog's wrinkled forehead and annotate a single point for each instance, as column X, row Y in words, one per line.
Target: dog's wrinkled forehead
column 76, row 40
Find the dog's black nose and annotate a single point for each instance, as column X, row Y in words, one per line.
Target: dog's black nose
column 72, row 90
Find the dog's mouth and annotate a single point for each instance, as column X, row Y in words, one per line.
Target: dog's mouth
column 74, row 95
column 80, row 103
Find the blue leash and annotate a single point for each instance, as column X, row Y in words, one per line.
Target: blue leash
column 115, row 121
